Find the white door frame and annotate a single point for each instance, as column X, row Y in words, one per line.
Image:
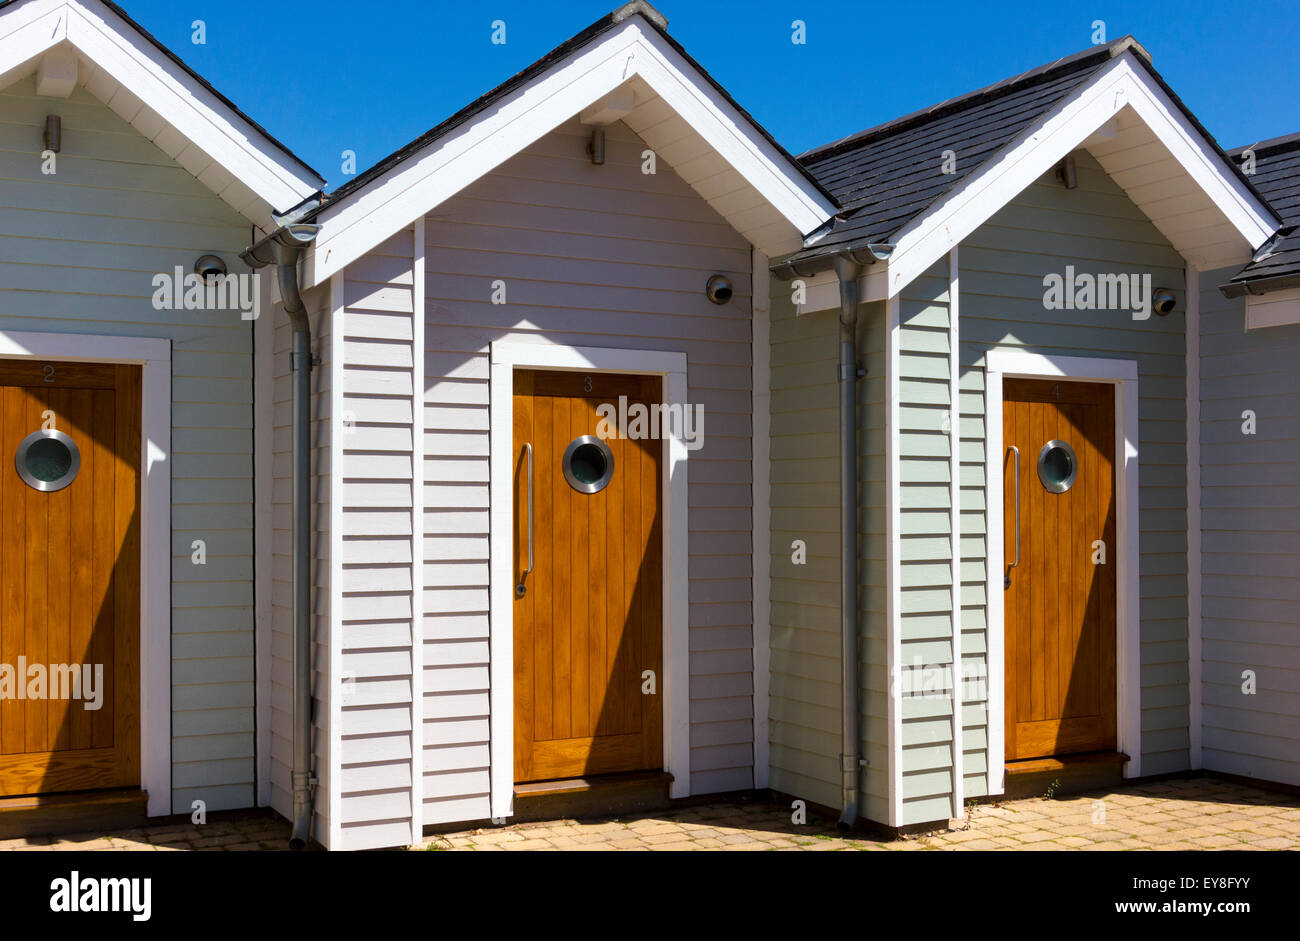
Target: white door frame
column 1123, row 374
column 154, row 356
column 674, row 685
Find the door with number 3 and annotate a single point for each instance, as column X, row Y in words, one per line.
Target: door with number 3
column 588, row 624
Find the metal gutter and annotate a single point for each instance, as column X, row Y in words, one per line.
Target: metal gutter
column 283, row 247
column 1260, row 286
column 864, row 253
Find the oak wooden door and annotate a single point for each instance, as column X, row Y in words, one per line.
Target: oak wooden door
column 1060, row 602
column 69, row 576
column 588, row 624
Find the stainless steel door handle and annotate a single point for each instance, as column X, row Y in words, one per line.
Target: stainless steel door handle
column 521, row 589
column 1015, row 451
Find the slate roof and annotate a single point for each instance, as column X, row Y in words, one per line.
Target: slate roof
column 886, row 176
column 1277, row 176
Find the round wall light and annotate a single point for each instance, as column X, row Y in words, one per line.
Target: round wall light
column 719, row 289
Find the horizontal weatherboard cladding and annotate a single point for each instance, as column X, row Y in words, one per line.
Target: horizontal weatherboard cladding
column 925, row 654
column 804, row 697
column 1096, row 229
column 588, row 256
column 1250, row 541
column 79, row 248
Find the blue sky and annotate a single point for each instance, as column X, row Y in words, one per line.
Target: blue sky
column 329, row 76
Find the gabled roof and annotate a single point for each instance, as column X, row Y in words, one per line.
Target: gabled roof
column 96, row 44
column 582, row 39
column 894, row 188
column 658, row 90
column 887, row 175
column 1277, row 176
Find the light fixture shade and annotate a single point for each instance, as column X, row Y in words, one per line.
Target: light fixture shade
column 53, row 133
column 208, row 267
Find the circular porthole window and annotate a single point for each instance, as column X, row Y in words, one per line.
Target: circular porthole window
column 588, row 464
column 47, row 460
column 1057, row 466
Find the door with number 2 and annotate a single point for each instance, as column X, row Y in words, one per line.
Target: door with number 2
column 69, row 576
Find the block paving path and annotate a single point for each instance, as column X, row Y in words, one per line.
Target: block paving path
column 1197, row 813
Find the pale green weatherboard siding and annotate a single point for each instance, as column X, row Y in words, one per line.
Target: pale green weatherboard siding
column 1095, row 228
column 78, row 250
column 925, row 546
column 1250, row 541
column 804, row 705
column 804, row 691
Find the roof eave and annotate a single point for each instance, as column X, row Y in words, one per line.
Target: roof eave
column 1258, row 286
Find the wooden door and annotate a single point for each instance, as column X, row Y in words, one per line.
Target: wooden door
column 69, row 577
column 589, row 623
column 1060, row 603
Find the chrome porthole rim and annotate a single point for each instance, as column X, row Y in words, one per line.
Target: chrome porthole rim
column 47, row 486
column 1058, row 486
column 596, row 485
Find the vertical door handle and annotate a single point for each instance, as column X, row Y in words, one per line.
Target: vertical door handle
column 1015, row 451
column 521, row 589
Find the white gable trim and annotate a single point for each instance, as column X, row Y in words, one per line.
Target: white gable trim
column 1274, row 309
column 447, row 165
column 675, row 682
column 1122, row 83
column 153, row 85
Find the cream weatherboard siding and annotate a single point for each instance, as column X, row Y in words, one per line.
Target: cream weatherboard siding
column 1250, row 541
column 1096, row 228
column 588, row 256
column 78, row 250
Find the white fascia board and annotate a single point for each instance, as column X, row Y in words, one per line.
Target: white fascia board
column 1199, row 158
column 1118, row 85
column 1274, row 309
column 733, row 136
column 31, row 29
column 454, row 161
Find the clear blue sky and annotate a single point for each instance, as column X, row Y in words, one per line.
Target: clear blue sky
column 329, row 76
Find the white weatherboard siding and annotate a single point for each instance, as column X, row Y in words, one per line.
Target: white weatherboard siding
column 1097, row 229
column 1250, row 540
column 589, row 256
column 280, row 627
column 377, row 617
column 78, row 250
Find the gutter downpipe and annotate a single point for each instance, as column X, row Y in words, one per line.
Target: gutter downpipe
column 283, row 247
column 847, row 270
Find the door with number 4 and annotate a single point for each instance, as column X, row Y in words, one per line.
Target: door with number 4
column 588, row 608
